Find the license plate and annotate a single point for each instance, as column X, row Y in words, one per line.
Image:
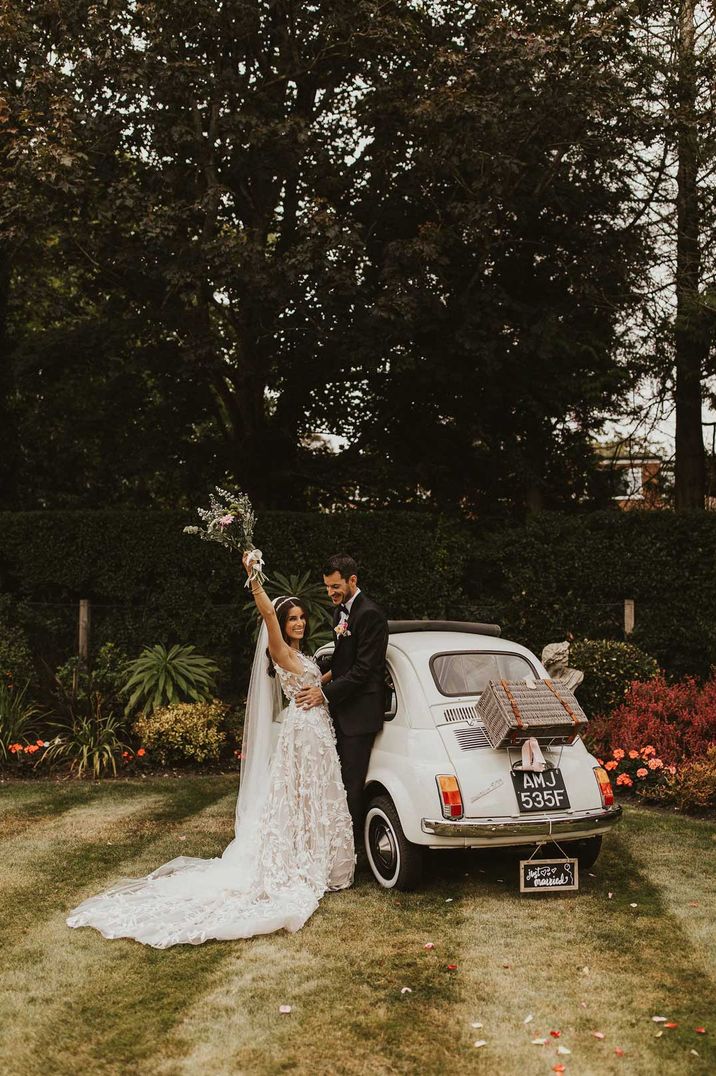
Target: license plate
column 540, row 791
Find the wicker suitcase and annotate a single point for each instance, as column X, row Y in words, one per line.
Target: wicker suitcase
column 513, row 711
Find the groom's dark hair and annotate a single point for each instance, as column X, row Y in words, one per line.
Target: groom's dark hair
column 342, row 563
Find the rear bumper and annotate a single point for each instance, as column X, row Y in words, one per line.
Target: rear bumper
column 489, row 831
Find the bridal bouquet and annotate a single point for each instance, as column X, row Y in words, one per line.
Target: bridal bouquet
column 230, row 520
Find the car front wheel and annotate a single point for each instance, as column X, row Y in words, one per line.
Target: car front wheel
column 395, row 862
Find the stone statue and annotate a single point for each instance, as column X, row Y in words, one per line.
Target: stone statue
column 555, row 658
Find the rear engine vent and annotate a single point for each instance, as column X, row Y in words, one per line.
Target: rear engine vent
column 469, row 739
column 461, row 713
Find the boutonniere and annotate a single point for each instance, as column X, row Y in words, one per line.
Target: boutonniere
column 341, row 630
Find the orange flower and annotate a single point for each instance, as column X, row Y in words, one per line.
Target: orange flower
column 126, row 754
column 642, row 772
column 15, row 747
column 31, row 748
column 671, row 769
column 655, row 764
column 624, row 779
column 647, row 751
column 618, row 754
column 633, row 754
column 40, row 743
column 141, row 752
column 611, row 765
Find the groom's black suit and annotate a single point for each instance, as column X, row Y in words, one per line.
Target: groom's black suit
column 356, row 694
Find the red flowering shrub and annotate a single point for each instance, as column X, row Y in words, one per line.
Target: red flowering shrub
column 678, row 719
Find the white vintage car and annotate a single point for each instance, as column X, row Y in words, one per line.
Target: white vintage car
column 434, row 780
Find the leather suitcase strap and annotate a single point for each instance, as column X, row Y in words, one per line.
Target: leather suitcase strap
column 566, row 705
column 513, row 703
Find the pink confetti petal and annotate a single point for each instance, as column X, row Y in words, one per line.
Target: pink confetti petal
column 700, row 1030
column 284, row 1009
column 429, row 945
column 618, row 1051
column 598, row 1034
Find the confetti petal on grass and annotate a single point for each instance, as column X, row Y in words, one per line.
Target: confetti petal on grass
column 183, row 837
column 693, row 904
column 563, row 1050
column 659, row 1019
column 405, row 990
column 700, row 1030
column 528, row 1019
column 449, row 900
column 538, row 1042
column 598, row 1034
column 555, row 1034
column 633, row 905
column 695, row 1053
column 558, row 1068
column 477, row 1025
column 618, row 1051
column 585, row 971
column 452, row 967
column 429, row 945
column 610, row 895
column 659, row 1034
column 480, row 1042
column 284, row 1009
column 671, row 1023
column 583, row 1004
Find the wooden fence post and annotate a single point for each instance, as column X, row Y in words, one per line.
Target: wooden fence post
column 84, row 632
column 629, row 616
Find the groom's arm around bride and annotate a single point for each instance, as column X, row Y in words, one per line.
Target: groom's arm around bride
column 356, row 689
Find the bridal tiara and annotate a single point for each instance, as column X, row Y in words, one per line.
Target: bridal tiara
column 282, row 601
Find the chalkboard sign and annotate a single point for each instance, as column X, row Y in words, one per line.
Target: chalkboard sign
column 548, row 875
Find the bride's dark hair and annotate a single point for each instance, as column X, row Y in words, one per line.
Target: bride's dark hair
column 283, row 607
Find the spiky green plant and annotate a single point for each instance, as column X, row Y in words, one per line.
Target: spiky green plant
column 19, row 718
column 160, row 677
column 91, row 743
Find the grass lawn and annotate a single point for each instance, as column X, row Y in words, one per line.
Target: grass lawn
column 71, row 1001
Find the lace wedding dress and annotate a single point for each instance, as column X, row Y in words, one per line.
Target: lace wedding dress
column 296, row 845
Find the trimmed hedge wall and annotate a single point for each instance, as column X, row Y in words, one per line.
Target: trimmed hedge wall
column 555, row 575
column 148, row 582
column 559, row 574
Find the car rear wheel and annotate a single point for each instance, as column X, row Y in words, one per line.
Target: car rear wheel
column 395, row 862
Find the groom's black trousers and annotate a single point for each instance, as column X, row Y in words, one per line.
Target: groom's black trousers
column 354, row 753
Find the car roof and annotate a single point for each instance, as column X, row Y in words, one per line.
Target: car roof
column 435, row 642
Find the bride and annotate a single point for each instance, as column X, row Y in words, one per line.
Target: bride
column 294, row 839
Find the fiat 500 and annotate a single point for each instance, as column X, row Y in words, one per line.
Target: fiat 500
column 434, row 779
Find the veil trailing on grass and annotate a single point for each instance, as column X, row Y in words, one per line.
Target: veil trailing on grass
column 260, row 883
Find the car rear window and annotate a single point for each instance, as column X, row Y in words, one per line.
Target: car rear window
column 467, row 672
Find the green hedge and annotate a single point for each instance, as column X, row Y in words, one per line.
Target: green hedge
column 148, row 582
column 562, row 574
column 555, row 575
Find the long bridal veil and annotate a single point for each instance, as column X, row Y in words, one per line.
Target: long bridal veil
column 237, row 895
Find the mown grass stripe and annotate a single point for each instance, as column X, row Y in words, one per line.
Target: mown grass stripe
column 50, row 968
column 343, row 975
column 638, row 962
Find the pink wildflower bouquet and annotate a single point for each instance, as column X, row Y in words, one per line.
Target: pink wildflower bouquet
column 230, row 520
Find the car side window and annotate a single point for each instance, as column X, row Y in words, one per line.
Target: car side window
column 391, row 697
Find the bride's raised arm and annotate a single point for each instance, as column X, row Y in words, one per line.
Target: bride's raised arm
column 280, row 651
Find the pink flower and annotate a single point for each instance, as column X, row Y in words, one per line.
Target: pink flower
column 642, row 772
column 224, row 521
column 655, row 764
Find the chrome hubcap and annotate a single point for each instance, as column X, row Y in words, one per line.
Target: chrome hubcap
column 385, row 852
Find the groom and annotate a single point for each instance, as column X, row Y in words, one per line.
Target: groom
column 356, row 691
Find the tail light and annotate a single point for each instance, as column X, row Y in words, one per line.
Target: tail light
column 605, row 786
column 450, row 796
